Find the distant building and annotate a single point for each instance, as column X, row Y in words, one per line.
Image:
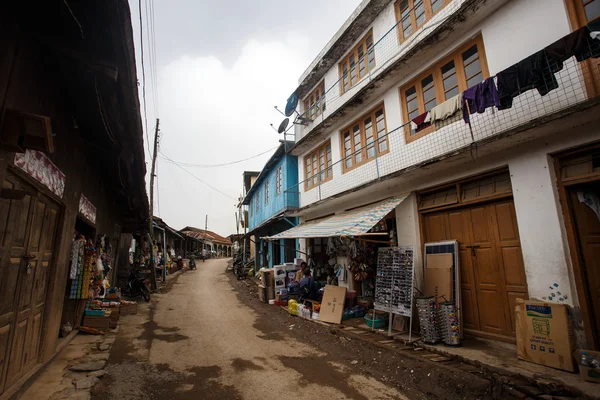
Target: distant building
column 269, row 205
column 213, row 243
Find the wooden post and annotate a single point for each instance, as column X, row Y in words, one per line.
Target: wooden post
column 151, row 221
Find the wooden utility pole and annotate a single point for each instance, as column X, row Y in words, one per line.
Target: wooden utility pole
column 151, row 222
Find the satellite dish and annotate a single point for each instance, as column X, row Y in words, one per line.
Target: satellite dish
column 283, row 125
column 292, row 103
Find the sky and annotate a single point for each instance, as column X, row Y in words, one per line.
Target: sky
column 214, row 73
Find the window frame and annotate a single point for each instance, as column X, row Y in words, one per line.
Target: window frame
column 314, row 102
column 363, row 144
column 327, row 166
column 438, row 80
column 266, row 186
column 354, row 54
column 257, row 201
column 429, row 14
column 278, row 180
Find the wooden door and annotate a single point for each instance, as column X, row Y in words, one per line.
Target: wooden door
column 16, row 218
column 587, row 226
column 28, row 229
column 491, row 263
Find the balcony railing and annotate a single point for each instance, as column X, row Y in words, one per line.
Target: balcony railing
column 387, row 50
column 453, row 135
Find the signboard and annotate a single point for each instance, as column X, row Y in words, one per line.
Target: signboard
column 87, row 209
column 332, row 306
column 37, row 165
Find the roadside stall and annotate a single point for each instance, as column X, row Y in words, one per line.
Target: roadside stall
column 342, row 251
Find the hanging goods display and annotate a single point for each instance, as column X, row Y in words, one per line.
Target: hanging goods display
column 427, row 309
column 449, row 323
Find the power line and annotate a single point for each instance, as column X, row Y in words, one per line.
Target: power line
column 216, row 165
column 144, row 78
column 198, row 179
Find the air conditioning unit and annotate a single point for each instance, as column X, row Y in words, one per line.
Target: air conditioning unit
column 22, row 131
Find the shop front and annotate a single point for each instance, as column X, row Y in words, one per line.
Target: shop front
column 344, row 250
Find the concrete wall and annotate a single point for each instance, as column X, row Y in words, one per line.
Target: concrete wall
column 499, row 32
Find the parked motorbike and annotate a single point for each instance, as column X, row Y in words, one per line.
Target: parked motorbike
column 137, row 285
column 192, row 263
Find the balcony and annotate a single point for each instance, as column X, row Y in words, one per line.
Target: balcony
column 574, row 93
column 456, row 17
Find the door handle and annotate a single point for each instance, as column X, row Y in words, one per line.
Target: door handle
column 473, row 249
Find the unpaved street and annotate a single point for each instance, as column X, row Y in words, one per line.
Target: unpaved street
column 202, row 340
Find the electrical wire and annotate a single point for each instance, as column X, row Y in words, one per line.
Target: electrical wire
column 216, row 165
column 144, row 78
column 199, row 180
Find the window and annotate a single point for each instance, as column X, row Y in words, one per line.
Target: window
column 257, row 200
column 412, row 14
column 278, row 179
column 318, row 166
column 314, row 103
column 266, row 191
column 364, row 138
column 591, row 9
column 458, row 72
column 357, row 64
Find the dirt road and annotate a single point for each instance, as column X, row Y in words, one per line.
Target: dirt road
column 203, row 340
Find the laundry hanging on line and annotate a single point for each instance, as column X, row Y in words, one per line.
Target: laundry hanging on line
column 420, row 121
column 446, row 109
column 479, row 97
column 582, row 44
column 532, row 72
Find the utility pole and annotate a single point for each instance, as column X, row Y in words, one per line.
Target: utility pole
column 151, row 222
column 206, row 223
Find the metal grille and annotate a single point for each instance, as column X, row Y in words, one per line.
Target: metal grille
column 454, row 135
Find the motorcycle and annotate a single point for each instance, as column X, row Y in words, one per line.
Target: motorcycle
column 137, row 285
column 192, row 263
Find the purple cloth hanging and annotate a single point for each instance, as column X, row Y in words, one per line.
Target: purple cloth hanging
column 479, row 97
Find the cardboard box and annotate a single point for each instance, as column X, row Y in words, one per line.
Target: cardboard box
column 543, row 335
column 586, row 373
column 279, row 271
column 266, row 277
column 438, row 277
column 332, row 306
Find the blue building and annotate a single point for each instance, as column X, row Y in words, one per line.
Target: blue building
column 271, row 198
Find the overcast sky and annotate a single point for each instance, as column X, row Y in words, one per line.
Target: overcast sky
column 221, row 67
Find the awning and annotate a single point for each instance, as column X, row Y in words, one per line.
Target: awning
column 350, row 223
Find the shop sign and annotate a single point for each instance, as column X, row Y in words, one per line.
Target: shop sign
column 37, row 165
column 87, row 209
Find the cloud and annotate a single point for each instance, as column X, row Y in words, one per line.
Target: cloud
column 210, row 114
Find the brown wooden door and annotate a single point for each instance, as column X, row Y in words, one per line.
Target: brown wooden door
column 491, row 264
column 587, row 227
column 27, row 239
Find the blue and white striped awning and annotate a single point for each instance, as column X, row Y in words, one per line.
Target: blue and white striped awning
column 350, row 223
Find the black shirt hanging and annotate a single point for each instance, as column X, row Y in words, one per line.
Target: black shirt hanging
column 532, row 72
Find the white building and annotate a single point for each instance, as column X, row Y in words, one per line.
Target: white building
column 506, row 186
